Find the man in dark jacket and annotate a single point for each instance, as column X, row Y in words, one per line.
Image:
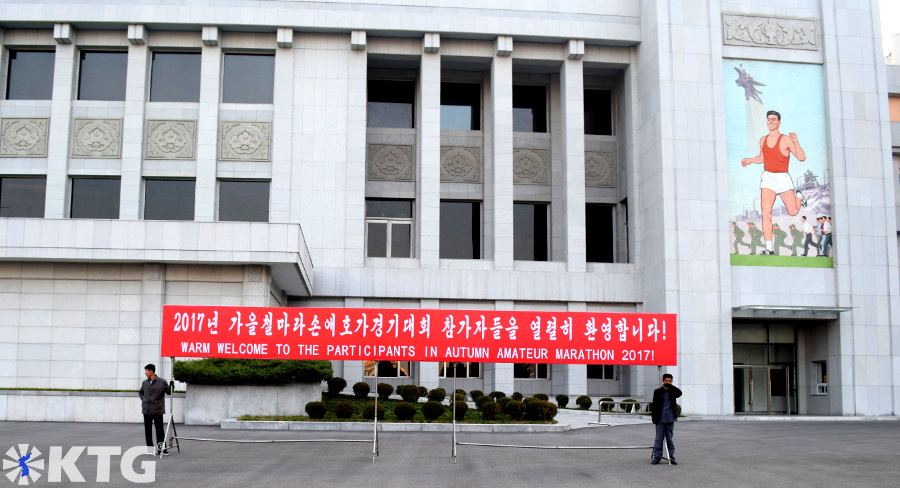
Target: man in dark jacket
column 153, row 404
column 664, row 414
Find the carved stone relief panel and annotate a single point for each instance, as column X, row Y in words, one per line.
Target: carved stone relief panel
column 461, row 164
column 599, row 169
column 170, row 139
column 530, row 166
column 245, row 141
column 24, row 138
column 389, row 162
column 97, row 138
column 780, row 32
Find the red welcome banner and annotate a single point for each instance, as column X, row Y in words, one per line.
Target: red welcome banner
column 483, row 336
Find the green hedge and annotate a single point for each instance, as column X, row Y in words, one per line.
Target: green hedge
column 220, row 371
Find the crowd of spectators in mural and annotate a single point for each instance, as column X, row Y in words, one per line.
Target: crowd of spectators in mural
column 816, row 235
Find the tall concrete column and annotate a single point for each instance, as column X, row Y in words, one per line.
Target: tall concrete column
column 429, row 373
column 502, row 155
column 132, row 132
column 282, row 129
column 207, row 126
column 504, row 379
column 428, row 180
column 355, row 204
column 572, row 95
column 60, row 126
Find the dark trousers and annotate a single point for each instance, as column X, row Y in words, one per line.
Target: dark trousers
column 807, row 243
column 157, row 419
column 664, row 430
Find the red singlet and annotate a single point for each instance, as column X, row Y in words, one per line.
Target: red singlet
column 773, row 160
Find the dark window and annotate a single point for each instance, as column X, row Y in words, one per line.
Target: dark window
column 169, row 200
column 460, row 230
column 460, row 106
column 248, row 78
column 600, row 233
column 102, row 75
column 387, row 369
column 22, row 196
column 95, row 198
column 529, row 108
column 598, row 112
column 30, row 75
column 461, row 370
column 175, row 77
column 244, row 201
column 388, row 228
column 601, row 372
column 530, row 231
column 531, row 371
column 390, row 103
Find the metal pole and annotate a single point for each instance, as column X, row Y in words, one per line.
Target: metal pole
column 375, row 436
column 453, row 453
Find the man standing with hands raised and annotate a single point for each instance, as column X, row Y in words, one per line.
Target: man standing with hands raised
column 664, row 415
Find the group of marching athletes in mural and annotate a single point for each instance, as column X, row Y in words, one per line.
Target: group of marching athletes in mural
column 774, row 153
column 808, row 235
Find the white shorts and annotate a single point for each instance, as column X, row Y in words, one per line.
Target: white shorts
column 777, row 182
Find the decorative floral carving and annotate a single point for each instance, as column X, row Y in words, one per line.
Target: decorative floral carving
column 97, row 138
column 245, row 141
column 781, row 32
column 599, row 169
column 461, row 164
column 170, row 139
column 390, row 162
column 24, row 138
column 530, row 166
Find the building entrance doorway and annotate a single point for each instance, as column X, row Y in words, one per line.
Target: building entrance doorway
column 765, row 367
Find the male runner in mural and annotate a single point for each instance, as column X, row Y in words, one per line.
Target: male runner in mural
column 780, row 236
column 755, row 237
column 738, row 237
column 775, row 152
column 797, row 236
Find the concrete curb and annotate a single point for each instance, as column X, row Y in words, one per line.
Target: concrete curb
column 234, row 424
column 793, row 418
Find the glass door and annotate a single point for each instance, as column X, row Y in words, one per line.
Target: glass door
column 751, row 389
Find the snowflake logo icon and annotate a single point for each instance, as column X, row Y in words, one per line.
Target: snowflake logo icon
column 22, row 466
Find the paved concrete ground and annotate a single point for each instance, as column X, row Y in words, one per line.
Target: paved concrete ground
column 711, row 454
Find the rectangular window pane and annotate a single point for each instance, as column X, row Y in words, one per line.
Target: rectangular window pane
column 398, row 209
column 244, row 201
column 95, row 198
column 530, row 231
column 248, row 78
column 102, row 75
column 460, row 106
column 377, row 240
column 598, row 112
column 22, row 196
column 460, row 230
column 390, row 103
column 30, row 75
column 400, row 240
column 387, row 369
column 175, row 77
column 169, row 200
column 600, row 237
column 529, row 108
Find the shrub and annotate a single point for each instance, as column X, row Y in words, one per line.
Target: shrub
column 489, row 409
column 552, row 411
column 502, row 401
column 539, row 410
column 562, row 400
column 315, row 410
column 515, row 409
column 584, row 402
column 460, row 398
column 361, row 389
column 460, row 392
column 405, row 411
column 423, row 392
column 384, row 391
column 369, row 411
column 461, row 409
column 437, row 395
column 343, row 410
column 541, row 396
column 474, row 394
column 517, row 396
column 409, row 393
column 607, row 407
column 224, row 371
column 630, row 405
column 336, row 385
column 432, row 410
column 497, row 394
column 481, row 400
